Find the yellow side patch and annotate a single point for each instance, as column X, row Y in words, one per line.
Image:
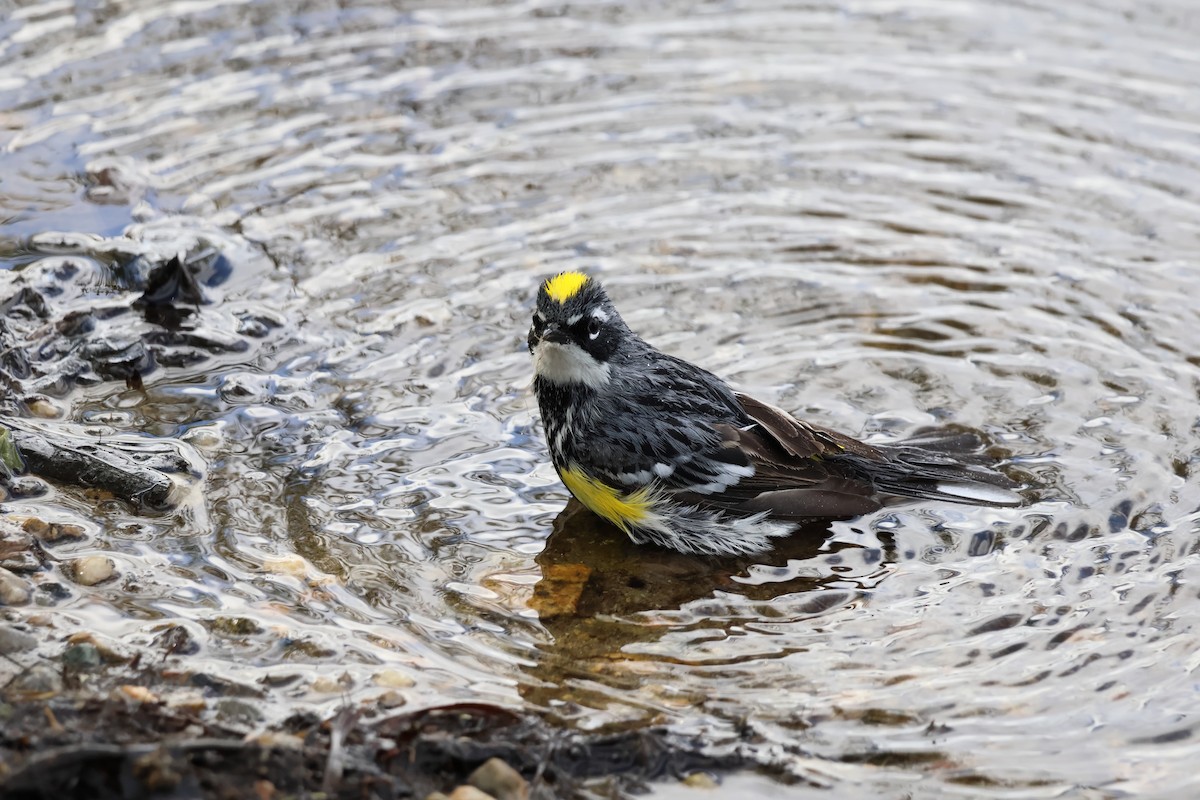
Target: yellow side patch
column 565, row 286
column 622, row 510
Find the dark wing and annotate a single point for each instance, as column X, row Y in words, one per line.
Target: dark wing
column 802, row 470
column 785, row 483
column 728, row 451
column 934, row 465
column 785, row 467
column 802, row 439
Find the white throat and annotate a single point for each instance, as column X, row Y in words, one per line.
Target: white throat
column 568, row 363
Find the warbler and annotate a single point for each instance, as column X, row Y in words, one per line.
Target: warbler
column 668, row 453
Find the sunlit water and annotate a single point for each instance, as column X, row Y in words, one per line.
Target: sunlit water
column 880, row 215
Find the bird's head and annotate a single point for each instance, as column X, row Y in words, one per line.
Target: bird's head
column 575, row 332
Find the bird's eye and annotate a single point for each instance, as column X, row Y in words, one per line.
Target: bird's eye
column 593, row 328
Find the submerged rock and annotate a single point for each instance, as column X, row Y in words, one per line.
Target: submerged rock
column 94, row 309
column 38, row 682
column 82, row 657
column 14, row 591
column 392, row 679
column 55, row 532
column 700, row 780
column 470, row 793
column 106, row 651
column 238, row 712
column 499, row 780
column 15, row 641
column 91, row 570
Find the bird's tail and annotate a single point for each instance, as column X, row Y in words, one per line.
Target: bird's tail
column 944, row 465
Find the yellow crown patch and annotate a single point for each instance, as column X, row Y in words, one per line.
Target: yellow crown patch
column 565, row 286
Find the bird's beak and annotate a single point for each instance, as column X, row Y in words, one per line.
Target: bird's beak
column 551, row 333
column 555, row 335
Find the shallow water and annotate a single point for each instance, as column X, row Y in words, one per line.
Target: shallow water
column 879, row 215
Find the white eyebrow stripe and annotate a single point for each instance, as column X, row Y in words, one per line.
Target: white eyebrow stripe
column 538, row 316
column 572, row 320
column 600, row 315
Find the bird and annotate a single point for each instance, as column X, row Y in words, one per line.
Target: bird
column 672, row 456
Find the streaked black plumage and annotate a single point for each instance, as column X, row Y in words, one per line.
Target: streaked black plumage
column 727, row 466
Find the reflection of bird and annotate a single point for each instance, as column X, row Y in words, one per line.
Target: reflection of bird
column 590, row 574
column 671, row 455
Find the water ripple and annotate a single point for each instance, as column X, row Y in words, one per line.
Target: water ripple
column 880, row 215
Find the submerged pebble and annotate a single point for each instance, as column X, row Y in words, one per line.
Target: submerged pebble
column 393, row 679
column 13, row 540
column 91, row 570
column 238, row 712
column 105, row 650
column 470, row 793
column 138, row 694
column 27, row 487
column 38, row 682
column 327, row 685
column 498, row 779
column 14, row 641
column 14, row 591
column 54, row 532
column 45, row 408
column 391, row 699
column 82, row 657
column 700, row 780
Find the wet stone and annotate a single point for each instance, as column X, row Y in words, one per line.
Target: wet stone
column 13, row 540
column 106, row 652
column 21, row 562
column 190, row 702
column 279, row 681
column 54, row 591
column 470, row 793
column 234, row 626
column 55, row 532
column 278, row 739
column 557, row 593
column 499, row 780
column 15, row 641
column 238, row 712
column 700, row 780
column 118, row 358
column 327, row 685
column 254, row 327
column 91, row 570
column 392, row 679
column 214, row 685
column 391, row 699
column 76, row 323
column 136, row 694
column 26, row 487
column 14, row 591
column 39, row 681
column 45, row 408
column 177, row 641
column 82, row 657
